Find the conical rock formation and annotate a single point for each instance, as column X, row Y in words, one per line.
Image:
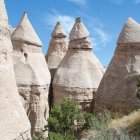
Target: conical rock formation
column 14, row 124
column 118, row 88
column 79, row 73
column 57, row 48
column 32, row 74
column 56, row 52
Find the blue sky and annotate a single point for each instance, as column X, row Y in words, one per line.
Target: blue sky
column 103, row 18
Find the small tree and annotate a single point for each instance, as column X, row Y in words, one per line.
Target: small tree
column 63, row 116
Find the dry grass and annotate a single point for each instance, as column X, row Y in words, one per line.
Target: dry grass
column 130, row 123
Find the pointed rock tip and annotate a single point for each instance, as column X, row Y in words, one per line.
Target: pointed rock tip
column 58, row 23
column 78, row 19
column 25, row 14
column 130, row 20
column 58, row 31
column 79, row 30
column 3, row 14
column 25, row 32
column 130, row 32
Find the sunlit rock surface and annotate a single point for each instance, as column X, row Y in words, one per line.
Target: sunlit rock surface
column 118, row 88
column 32, row 74
column 79, row 74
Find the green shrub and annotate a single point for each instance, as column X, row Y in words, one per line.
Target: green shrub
column 40, row 136
column 110, row 136
column 58, row 136
column 62, row 118
column 98, row 122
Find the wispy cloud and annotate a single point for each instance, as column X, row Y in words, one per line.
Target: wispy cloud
column 66, row 21
column 99, row 38
column 137, row 1
column 103, row 36
column 79, row 2
column 98, row 35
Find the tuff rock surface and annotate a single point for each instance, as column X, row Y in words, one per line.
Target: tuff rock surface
column 57, row 48
column 56, row 52
column 118, row 88
column 32, row 74
column 80, row 72
column 14, row 124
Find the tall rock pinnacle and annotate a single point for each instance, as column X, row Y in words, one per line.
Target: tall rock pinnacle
column 130, row 32
column 118, row 88
column 57, row 48
column 14, row 123
column 32, row 74
column 3, row 14
column 79, row 73
column 56, row 51
column 58, row 31
column 26, row 33
column 79, row 30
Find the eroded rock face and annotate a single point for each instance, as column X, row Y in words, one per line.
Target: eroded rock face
column 79, row 73
column 14, row 124
column 32, row 74
column 118, row 88
column 57, row 48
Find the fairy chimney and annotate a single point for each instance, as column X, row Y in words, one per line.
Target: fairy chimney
column 32, row 74
column 56, row 52
column 118, row 89
column 14, row 123
column 80, row 72
column 57, row 48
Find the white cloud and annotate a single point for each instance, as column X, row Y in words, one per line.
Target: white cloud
column 79, row 2
column 66, row 21
column 137, row 1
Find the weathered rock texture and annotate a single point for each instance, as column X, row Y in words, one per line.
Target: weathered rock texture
column 118, row 90
column 14, row 124
column 79, row 73
column 32, row 74
column 57, row 48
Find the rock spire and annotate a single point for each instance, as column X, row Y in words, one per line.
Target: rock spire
column 32, row 74
column 57, row 48
column 80, row 72
column 14, row 123
column 118, row 88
